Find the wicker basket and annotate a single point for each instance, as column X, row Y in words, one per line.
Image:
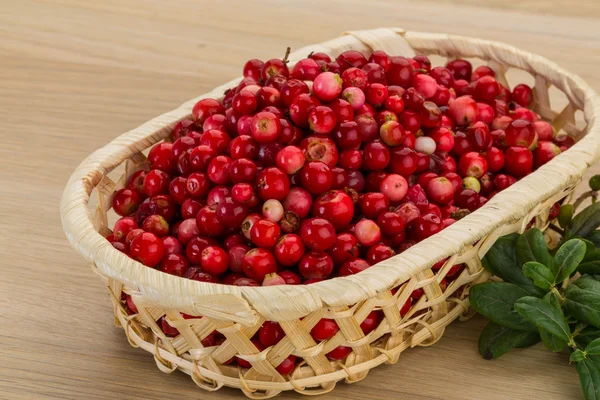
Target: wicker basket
column 238, row 312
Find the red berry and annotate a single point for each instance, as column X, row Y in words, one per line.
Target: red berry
column 354, row 266
column 231, row 213
column 301, row 107
column 486, row 89
column 521, row 133
column 122, row 227
column 522, row 95
column 315, row 265
column 218, row 170
column 208, row 223
column 161, row 157
column 494, row 158
column 339, row 353
column 252, row 69
column 174, row 264
column 472, row 164
column 319, row 148
column 479, row 136
column 440, row 190
column 147, row 248
column 372, row 204
column 214, row 260
column 292, row 89
column 426, row 226
column 126, row 201
column 316, row 177
column 325, row 329
column 265, row 127
column 545, row 152
column 290, row 159
column 200, row 157
column 204, row 109
column 270, row 333
column 460, row 69
column 243, row 147
column 400, row 72
column 265, row 233
column 242, row 170
column 334, row 206
column 197, row 184
column 463, row 110
column 289, row 249
column 272, row 183
column 317, row 234
column 156, row 224
column 257, row 263
column 367, row 232
column 391, row 223
column 403, row 161
column 481, row 71
column 371, row 322
column 378, row 253
column 394, row 186
column 345, row 248
column 519, row 161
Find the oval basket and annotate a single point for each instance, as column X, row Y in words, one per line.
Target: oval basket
column 238, row 312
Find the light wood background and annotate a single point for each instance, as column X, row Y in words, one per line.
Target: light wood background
column 75, row 74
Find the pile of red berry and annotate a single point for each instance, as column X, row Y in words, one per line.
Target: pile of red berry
column 322, row 170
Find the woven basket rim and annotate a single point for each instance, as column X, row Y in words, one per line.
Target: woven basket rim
column 172, row 291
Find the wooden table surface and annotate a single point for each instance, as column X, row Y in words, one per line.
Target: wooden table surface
column 75, row 74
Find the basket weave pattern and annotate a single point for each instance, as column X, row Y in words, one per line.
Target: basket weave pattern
column 238, row 312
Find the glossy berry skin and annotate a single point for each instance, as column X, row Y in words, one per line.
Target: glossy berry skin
column 265, row 233
column 257, row 263
column 345, row 248
column 322, row 120
column 467, row 198
column 272, row 183
column 242, row 170
column 290, row 159
column 522, row 95
column 156, row 224
column 208, row 223
column 231, row 213
column 463, row 110
column 218, row 170
column 403, row 161
column 204, row 109
column 301, row 107
column 174, row 264
column 147, row 248
column 197, row 184
column 427, row 226
column 315, row 265
column 334, row 206
column 339, row 353
column 325, row 329
column 486, row 89
column 270, row 333
column 494, row 158
column 376, row 156
column 327, row 86
column 394, row 187
column 460, row 69
column 372, row 204
column 545, row 152
column 161, row 156
column 347, row 135
column 299, row 201
column 440, row 190
column 521, row 133
column 289, row 249
column 316, row 177
column 354, row 266
column 472, row 164
column 156, row 182
column 400, row 72
column 391, row 223
column 287, row 366
column 318, row 234
column 518, row 161
column 444, row 139
column 479, row 136
column 243, row 146
column 122, row 227
column 214, row 260
column 265, row 127
column 367, row 232
column 378, row 253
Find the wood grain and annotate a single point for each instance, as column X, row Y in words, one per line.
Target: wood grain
column 74, row 75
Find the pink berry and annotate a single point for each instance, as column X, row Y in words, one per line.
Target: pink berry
column 440, row 190
column 327, row 86
column 425, row 85
column 463, row 110
column 367, row 232
column 394, row 186
column 354, row 96
column 265, row 127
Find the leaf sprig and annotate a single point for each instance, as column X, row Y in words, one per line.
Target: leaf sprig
column 552, row 296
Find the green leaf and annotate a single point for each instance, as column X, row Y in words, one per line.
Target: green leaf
column 495, row 340
column 501, row 260
column 541, row 275
column 582, row 300
column 589, row 377
column 593, row 349
column 551, row 342
column 495, row 301
column 544, row 316
column 594, row 182
column 565, row 215
column 567, row 259
column 587, row 336
column 577, row 355
column 531, row 246
column 594, row 237
column 586, row 221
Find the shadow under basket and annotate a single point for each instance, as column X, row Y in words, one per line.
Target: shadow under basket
column 237, row 313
